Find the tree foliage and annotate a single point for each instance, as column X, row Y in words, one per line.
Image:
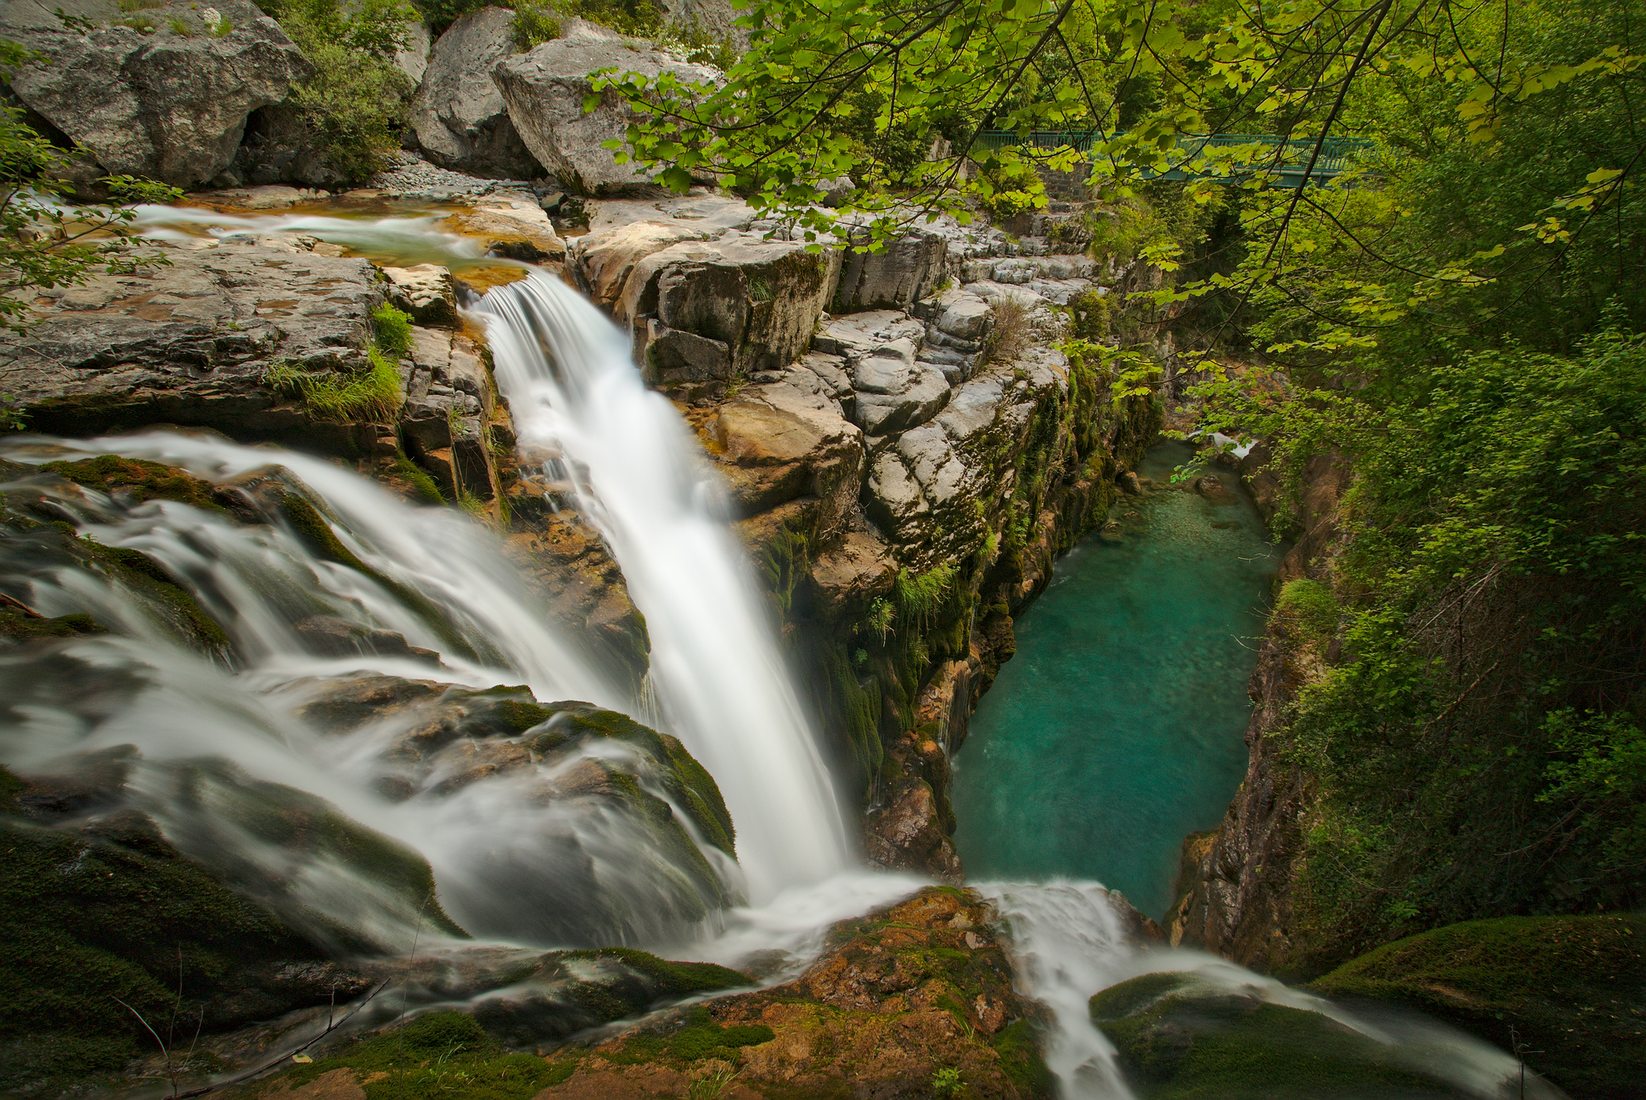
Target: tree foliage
column 353, row 107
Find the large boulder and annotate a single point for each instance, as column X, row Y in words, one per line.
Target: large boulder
column 458, row 115
column 905, row 270
column 194, row 342
column 782, row 441
column 706, row 311
column 916, row 993
column 155, row 102
column 545, row 90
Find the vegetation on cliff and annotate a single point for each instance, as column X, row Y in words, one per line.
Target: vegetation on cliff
column 1467, row 334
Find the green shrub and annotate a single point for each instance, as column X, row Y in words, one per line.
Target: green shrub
column 1307, row 608
column 354, row 106
column 638, row 17
column 534, row 24
column 1007, row 185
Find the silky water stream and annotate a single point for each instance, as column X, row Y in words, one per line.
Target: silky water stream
column 217, row 736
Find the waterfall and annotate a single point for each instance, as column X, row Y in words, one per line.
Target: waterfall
column 641, row 479
column 1070, row 942
column 405, row 627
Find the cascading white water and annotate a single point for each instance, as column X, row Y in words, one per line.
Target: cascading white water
column 641, row 478
column 519, row 850
column 1070, row 942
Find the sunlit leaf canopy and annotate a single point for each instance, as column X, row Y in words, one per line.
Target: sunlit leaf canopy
column 900, row 96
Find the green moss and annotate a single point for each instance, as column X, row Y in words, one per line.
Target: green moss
column 1177, row 1041
column 1572, row 988
column 138, row 480
column 437, row 1054
column 311, row 527
column 303, row 825
column 423, row 486
column 20, row 627
column 1020, row 1059
column 1131, row 996
column 151, row 581
column 307, row 523
column 84, row 920
column 687, row 781
column 672, row 979
column 695, row 1037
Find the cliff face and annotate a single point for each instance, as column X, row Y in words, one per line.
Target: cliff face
column 1236, row 889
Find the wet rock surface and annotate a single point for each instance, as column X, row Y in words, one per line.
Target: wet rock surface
column 193, row 342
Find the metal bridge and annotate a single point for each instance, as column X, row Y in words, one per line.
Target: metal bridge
column 1285, row 158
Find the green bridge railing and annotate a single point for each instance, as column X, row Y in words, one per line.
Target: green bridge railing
column 1286, row 158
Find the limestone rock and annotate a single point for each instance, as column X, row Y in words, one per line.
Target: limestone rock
column 449, row 413
column 855, row 571
column 426, row 291
column 190, row 344
column 165, row 105
column 511, row 226
column 545, row 88
column 902, row 273
column 278, row 147
column 921, row 399
column 900, row 994
column 412, row 58
column 715, row 20
column 907, row 833
column 780, row 441
column 705, row 312
column 458, row 115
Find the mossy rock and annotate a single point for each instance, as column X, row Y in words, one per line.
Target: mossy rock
column 18, row 626
column 436, row 1054
column 1179, row 1040
column 308, row 830
column 1572, row 988
column 567, row 992
column 139, row 480
column 115, row 911
column 691, row 1037
column 688, row 782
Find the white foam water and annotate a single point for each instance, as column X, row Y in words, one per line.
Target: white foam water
column 641, row 479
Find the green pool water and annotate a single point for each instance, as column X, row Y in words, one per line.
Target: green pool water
column 1117, row 729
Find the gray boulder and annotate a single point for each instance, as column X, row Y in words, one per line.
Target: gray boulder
column 193, row 343
column 458, row 115
column 152, row 102
column 545, row 89
column 412, row 58
column 906, row 270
